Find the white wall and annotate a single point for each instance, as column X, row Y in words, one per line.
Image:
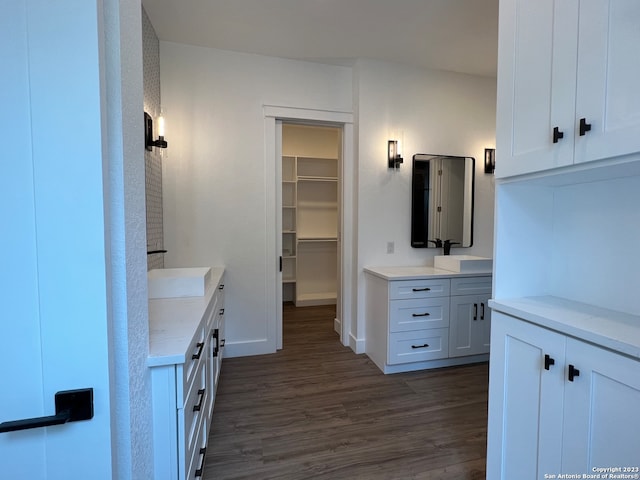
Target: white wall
column 436, row 112
column 214, row 178
column 214, row 175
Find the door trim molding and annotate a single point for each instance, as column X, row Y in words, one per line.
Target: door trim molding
column 348, row 259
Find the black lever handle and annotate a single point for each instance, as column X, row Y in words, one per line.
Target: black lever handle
column 71, row 406
column 584, row 126
column 573, row 372
column 548, row 361
column 557, row 134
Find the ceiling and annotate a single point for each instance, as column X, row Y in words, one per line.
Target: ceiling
column 455, row 35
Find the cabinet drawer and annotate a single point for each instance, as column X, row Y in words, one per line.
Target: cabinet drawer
column 421, row 313
column 418, row 345
column 470, row 285
column 401, row 289
column 196, row 460
column 186, row 372
column 190, row 417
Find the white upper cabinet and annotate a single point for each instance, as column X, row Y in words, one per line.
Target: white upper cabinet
column 566, row 91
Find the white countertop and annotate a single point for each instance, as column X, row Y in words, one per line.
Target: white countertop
column 173, row 323
column 608, row 328
column 416, row 273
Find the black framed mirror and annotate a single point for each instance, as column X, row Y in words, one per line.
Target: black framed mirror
column 442, row 200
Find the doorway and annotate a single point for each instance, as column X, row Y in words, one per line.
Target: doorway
column 311, row 166
column 275, row 117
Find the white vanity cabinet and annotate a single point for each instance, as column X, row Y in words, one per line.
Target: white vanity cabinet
column 566, row 89
column 185, row 352
column 409, row 313
column 559, row 404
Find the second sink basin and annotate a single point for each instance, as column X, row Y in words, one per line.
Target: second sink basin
column 463, row 263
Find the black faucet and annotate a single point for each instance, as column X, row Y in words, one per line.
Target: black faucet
column 447, row 246
column 437, row 242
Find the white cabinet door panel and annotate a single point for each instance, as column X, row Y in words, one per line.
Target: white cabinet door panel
column 608, row 97
column 601, row 418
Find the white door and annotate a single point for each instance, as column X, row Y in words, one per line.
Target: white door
column 53, row 326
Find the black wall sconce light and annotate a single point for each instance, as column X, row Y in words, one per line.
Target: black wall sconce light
column 489, row 160
column 149, row 142
column 395, row 159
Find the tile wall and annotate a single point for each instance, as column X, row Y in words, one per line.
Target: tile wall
column 152, row 159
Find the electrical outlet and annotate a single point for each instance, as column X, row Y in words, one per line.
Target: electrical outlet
column 390, row 247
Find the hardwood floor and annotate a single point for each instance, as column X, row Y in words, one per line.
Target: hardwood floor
column 316, row 410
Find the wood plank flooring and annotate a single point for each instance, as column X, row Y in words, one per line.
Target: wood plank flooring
column 316, row 410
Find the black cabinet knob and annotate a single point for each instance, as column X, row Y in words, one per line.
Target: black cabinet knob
column 584, row 126
column 557, row 134
column 548, row 361
column 573, row 372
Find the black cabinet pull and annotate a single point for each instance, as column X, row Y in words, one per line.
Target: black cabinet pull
column 425, row 314
column 198, row 406
column 426, row 345
column 203, row 452
column 281, row 263
column 216, row 336
column 221, row 287
column 200, row 346
column 584, row 127
column 71, row 406
column 475, row 311
column 573, row 372
column 482, row 314
column 221, row 312
column 426, row 289
column 548, row 361
column 557, row 134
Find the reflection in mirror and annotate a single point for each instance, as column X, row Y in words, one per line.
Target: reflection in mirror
column 442, row 200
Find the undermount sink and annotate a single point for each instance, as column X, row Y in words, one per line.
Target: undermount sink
column 178, row 282
column 463, row 263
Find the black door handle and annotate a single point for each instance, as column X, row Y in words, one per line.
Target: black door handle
column 71, row 406
column 475, row 311
column 573, row 372
column 482, row 314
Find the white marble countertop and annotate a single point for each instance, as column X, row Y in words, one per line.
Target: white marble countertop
column 608, row 328
column 416, row 273
column 173, row 323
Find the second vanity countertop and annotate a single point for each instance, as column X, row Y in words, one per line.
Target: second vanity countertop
column 416, row 273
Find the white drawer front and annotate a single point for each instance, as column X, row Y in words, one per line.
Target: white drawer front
column 418, row 314
column 470, row 285
column 400, row 289
column 418, row 345
column 196, row 461
column 196, row 354
column 189, row 418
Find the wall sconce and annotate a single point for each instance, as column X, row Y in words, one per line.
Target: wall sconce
column 489, row 160
column 149, row 142
column 395, row 158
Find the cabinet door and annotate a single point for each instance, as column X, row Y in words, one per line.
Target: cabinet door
column 536, row 85
column 469, row 325
column 525, row 400
column 608, row 97
column 601, row 417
